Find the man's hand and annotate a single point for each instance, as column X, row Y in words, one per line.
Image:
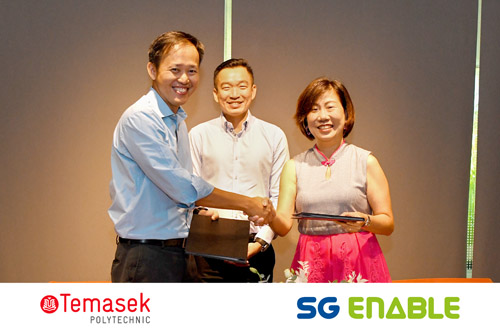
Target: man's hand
column 253, row 249
column 214, row 214
column 261, row 211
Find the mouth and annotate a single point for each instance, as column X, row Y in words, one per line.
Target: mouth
column 180, row 90
column 325, row 127
column 235, row 104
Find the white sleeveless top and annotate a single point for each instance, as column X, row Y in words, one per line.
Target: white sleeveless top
column 344, row 191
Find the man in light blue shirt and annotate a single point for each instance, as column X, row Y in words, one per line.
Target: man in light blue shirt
column 153, row 188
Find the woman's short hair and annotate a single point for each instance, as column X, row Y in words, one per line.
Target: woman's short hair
column 164, row 43
column 310, row 95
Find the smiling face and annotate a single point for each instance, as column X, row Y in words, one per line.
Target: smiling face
column 326, row 120
column 234, row 91
column 177, row 76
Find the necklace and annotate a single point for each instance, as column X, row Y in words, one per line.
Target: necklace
column 328, row 161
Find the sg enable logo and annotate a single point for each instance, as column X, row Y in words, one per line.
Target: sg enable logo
column 359, row 308
column 310, row 310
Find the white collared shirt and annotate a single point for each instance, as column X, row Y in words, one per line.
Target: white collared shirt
column 248, row 163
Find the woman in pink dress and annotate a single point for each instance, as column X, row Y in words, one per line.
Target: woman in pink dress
column 335, row 178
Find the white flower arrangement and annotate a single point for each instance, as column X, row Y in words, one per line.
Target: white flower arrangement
column 355, row 279
column 302, row 274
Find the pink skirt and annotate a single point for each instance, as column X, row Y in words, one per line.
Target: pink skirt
column 336, row 257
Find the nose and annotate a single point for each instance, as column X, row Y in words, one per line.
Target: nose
column 322, row 114
column 234, row 93
column 183, row 78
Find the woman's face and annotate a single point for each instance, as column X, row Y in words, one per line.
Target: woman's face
column 326, row 120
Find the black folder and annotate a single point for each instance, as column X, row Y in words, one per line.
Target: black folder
column 330, row 217
column 225, row 239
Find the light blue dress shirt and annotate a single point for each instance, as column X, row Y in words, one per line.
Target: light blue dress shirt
column 153, row 188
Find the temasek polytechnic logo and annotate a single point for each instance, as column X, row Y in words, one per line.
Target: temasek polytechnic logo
column 111, row 311
column 49, row 304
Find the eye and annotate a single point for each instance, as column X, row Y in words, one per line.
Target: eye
column 174, row 70
column 243, row 86
column 193, row 71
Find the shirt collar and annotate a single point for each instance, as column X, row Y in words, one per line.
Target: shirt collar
column 228, row 126
column 164, row 109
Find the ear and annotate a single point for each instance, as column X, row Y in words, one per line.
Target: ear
column 216, row 98
column 254, row 91
column 151, row 68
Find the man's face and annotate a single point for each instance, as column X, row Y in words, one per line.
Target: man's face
column 177, row 75
column 234, row 92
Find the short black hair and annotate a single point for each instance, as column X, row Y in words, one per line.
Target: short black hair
column 164, row 43
column 232, row 63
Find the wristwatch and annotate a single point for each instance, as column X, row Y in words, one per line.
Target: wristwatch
column 198, row 209
column 368, row 221
column 263, row 243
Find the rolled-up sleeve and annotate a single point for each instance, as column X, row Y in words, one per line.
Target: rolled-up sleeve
column 155, row 149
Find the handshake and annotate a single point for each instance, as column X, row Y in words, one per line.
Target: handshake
column 261, row 211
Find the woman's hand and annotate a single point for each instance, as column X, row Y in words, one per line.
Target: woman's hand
column 354, row 226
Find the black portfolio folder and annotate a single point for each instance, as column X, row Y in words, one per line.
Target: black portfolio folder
column 225, row 239
column 330, row 217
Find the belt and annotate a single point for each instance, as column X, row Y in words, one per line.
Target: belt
column 181, row 243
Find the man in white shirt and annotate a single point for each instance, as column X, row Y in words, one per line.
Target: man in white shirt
column 238, row 152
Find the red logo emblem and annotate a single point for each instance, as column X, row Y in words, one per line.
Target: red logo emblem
column 49, row 304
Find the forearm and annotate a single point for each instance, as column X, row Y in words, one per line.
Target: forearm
column 225, row 200
column 281, row 224
column 379, row 198
column 382, row 224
